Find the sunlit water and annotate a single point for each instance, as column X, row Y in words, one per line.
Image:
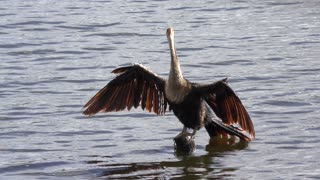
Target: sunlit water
column 55, row 55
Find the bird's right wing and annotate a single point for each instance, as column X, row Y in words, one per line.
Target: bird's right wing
column 135, row 86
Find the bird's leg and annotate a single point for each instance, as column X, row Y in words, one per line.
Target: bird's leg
column 193, row 135
column 184, row 130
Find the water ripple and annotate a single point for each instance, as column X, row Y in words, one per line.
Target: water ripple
column 122, row 35
column 32, row 23
column 86, row 133
column 286, row 103
column 28, row 166
column 284, row 3
column 17, row 45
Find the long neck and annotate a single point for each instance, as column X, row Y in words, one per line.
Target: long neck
column 175, row 75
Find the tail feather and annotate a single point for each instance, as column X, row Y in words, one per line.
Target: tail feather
column 216, row 127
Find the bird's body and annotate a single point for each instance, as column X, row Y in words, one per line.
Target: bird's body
column 214, row 106
column 190, row 111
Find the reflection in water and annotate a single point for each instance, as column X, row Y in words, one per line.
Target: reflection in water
column 186, row 166
column 220, row 145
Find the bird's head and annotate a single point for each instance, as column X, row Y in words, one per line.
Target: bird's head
column 170, row 33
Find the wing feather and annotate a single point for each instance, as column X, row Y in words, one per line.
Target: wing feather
column 130, row 97
column 137, row 95
column 134, row 86
column 155, row 98
column 144, row 96
column 227, row 105
column 148, row 99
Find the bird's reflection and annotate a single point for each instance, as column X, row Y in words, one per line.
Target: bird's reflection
column 184, row 144
column 186, row 166
column 224, row 144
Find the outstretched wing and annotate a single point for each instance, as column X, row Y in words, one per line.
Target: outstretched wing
column 227, row 105
column 135, row 86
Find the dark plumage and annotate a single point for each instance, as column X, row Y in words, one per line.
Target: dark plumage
column 213, row 106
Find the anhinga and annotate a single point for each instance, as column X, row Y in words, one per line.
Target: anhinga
column 214, row 106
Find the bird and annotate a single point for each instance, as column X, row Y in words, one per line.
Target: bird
column 214, row 106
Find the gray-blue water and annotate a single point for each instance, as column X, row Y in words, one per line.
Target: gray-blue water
column 55, row 55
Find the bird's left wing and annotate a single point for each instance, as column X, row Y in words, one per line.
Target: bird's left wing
column 135, row 86
column 226, row 104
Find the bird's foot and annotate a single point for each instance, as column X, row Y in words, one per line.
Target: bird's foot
column 184, row 142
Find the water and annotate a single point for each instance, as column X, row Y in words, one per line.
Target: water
column 56, row 55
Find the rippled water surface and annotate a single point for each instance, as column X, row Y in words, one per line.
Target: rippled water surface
column 55, row 55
